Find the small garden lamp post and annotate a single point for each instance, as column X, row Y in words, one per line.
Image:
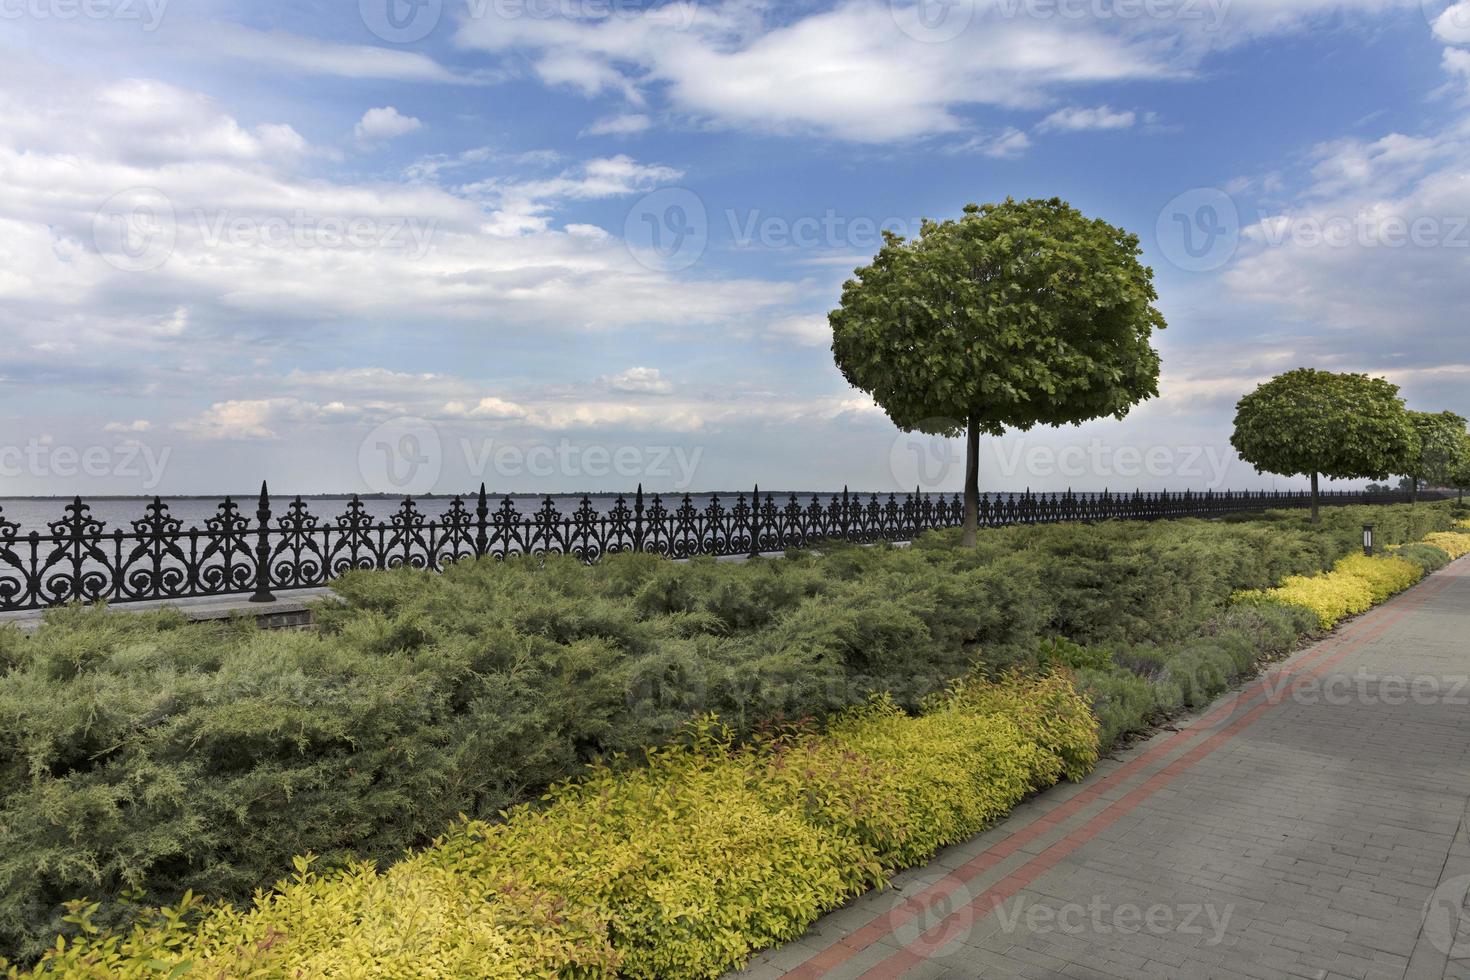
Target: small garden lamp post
column 1368, row 539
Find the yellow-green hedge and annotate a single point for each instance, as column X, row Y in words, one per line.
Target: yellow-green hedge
column 1457, row 543
column 680, row 868
column 1354, row 585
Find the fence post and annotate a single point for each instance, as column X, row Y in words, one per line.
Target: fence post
column 482, row 518
column 263, row 549
column 638, row 519
column 755, row 522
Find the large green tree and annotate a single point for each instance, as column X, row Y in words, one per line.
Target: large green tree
column 1441, row 438
column 1016, row 314
column 1317, row 423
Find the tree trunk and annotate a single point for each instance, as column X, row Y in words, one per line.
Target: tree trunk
column 1413, row 490
column 972, row 485
column 1316, row 502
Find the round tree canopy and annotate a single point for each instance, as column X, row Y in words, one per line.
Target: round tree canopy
column 1343, row 426
column 1017, row 313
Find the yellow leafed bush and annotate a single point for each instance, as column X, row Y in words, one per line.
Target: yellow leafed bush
column 677, row 869
column 1331, row 597
column 1355, row 584
column 1386, row 576
column 1456, row 543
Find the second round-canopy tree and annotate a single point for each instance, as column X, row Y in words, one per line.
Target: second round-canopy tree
column 1017, row 314
column 1316, row 423
column 1440, row 441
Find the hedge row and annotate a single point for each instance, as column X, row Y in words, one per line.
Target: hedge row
column 678, row 869
column 141, row 756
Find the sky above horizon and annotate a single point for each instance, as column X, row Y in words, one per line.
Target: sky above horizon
column 564, row 245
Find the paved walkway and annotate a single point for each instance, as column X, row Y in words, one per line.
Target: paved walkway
column 1313, row 824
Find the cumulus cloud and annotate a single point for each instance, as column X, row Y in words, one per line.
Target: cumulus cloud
column 384, row 123
column 258, row 418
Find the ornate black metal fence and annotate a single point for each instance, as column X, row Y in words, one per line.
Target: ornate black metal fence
column 156, row 557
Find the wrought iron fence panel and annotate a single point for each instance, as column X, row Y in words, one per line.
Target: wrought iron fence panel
column 78, row 558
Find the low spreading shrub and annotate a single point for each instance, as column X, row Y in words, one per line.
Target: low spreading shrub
column 1426, row 556
column 677, row 869
column 1355, row 585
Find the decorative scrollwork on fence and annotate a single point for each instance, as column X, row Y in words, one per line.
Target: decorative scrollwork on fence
column 77, row 558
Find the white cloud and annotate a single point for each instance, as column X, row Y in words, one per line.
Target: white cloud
column 525, row 205
column 805, row 331
column 1457, row 63
column 627, row 124
column 1452, row 26
column 141, row 425
column 384, row 123
column 1375, row 253
column 1076, row 119
column 644, row 380
column 848, row 72
column 485, row 253
column 249, row 419
column 1009, row 144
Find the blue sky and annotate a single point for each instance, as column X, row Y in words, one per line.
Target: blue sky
column 348, row 246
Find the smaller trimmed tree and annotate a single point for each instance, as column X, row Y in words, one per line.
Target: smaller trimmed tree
column 1441, row 437
column 1459, row 476
column 1317, row 423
